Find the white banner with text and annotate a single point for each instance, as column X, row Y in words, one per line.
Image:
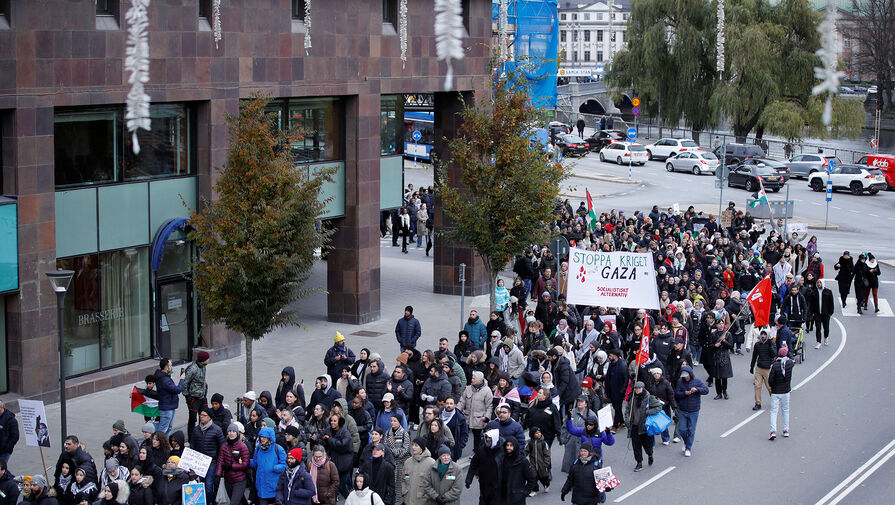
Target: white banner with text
column 612, row 279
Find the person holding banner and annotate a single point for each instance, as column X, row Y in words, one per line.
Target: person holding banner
column 169, row 490
column 9, row 433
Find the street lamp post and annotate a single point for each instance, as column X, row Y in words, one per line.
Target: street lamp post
column 60, row 279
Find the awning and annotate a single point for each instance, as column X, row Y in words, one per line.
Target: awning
column 161, row 238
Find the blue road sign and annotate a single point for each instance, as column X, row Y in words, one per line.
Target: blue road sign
column 635, row 111
column 632, row 133
column 417, row 135
column 829, row 188
column 830, row 166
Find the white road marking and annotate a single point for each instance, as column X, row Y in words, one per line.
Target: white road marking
column 647, row 483
column 832, row 493
column 816, row 203
column 835, row 207
column 853, row 211
column 885, row 310
column 891, row 218
column 874, row 215
column 887, row 282
column 805, row 381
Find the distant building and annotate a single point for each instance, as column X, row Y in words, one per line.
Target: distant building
column 590, row 33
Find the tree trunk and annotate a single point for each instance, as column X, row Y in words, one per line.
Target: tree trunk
column 249, row 371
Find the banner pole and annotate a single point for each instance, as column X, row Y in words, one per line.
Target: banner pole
column 44, row 462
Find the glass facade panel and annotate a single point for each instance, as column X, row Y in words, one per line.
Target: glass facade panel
column 391, row 133
column 176, row 258
column 86, row 147
column 4, row 384
column 320, row 121
column 106, row 317
column 164, row 150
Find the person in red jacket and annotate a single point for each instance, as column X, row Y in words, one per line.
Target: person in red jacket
column 233, row 464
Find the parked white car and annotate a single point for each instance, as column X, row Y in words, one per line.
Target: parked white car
column 855, row 178
column 624, row 153
column 663, row 149
column 696, row 162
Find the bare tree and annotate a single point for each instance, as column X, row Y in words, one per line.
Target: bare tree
column 874, row 31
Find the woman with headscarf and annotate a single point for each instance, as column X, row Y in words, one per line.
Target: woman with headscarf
column 325, row 476
column 176, row 441
column 397, row 440
column 115, row 493
column 362, row 494
column 872, row 275
column 84, row 488
column 63, row 482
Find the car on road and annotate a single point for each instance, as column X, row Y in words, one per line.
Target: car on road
column 779, row 166
column 663, row 149
column 572, row 145
column 747, row 177
column 624, row 153
column 855, row 178
column 871, row 90
column 602, row 138
column 736, row 153
column 695, row 162
column 803, row 165
column 558, row 128
column 883, row 162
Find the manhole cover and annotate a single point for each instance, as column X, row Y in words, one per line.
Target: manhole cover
column 367, row 333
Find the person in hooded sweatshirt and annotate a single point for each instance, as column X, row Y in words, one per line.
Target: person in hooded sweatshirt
column 337, row 356
column 324, row 393
column 517, row 479
column 233, row 465
column 115, row 493
column 590, row 433
column 538, row 453
column 380, row 474
column 436, row 388
column 337, row 442
column 580, row 481
column 170, row 486
column 444, row 480
column 295, row 485
column 265, row 401
column 141, row 488
column 375, row 382
column 362, row 494
column 780, row 379
column 485, row 464
column 269, row 461
column 176, row 441
column 688, row 393
column 413, row 489
column 288, row 383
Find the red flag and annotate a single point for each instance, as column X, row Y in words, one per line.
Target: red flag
column 643, row 353
column 760, row 301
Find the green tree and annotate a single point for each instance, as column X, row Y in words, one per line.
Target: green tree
column 507, row 190
column 257, row 240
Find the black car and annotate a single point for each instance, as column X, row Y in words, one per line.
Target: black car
column 746, row 177
column 779, row 166
column 558, row 128
column 602, row 138
column 572, row 145
column 734, row 154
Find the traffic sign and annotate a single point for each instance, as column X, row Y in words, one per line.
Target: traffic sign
column 830, row 165
column 722, row 172
column 635, row 101
column 417, row 135
column 635, row 111
column 632, row 133
column 559, row 246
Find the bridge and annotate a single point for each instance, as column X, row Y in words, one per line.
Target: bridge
column 591, row 98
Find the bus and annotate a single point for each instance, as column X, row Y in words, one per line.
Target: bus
column 423, row 123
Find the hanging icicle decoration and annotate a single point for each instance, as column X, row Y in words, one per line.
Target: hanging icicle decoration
column 828, row 73
column 449, row 35
column 307, row 27
column 402, row 31
column 719, row 44
column 216, row 12
column 137, row 64
column 502, row 16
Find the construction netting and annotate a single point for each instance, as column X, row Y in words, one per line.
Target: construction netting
column 534, row 28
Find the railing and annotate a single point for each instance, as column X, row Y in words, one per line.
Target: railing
column 647, row 131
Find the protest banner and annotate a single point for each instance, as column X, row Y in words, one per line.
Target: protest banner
column 193, row 494
column 604, row 417
column 612, row 279
column 195, row 461
column 34, row 423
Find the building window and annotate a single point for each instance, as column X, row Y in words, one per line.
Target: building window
column 599, row 16
column 391, row 125
column 562, row 17
column 846, row 43
column 562, row 36
column 93, row 146
column 574, row 17
column 107, row 310
column 574, row 55
column 599, row 35
column 586, row 55
column 574, row 35
column 599, row 55
column 586, row 16
column 587, row 36
column 104, row 6
column 205, row 9
column 5, row 20
column 298, row 9
column 465, row 4
column 390, row 12
column 320, row 120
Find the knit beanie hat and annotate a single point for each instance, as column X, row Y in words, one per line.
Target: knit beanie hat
column 118, row 425
column 296, row 453
column 217, row 398
column 175, row 459
column 233, row 427
column 148, row 428
column 420, row 441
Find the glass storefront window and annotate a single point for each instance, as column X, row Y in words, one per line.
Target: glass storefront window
column 92, row 146
column 106, row 318
column 320, row 120
column 391, row 125
column 176, row 258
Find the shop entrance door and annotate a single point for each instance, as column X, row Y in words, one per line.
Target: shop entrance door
column 175, row 318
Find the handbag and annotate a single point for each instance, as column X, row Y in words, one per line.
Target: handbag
column 657, row 423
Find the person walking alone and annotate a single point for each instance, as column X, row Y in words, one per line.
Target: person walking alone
column 820, row 310
column 763, row 353
column 687, row 393
column 780, row 379
column 846, row 268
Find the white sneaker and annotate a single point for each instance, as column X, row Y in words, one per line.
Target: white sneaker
column 825, row 342
column 533, row 493
column 676, row 440
column 546, row 489
column 665, row 442
column 687, row 453
column 818, row 346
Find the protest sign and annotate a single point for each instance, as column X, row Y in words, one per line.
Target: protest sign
column 195, row 461
column 604, row 417
column 34, row 423
column 193, row 494
column 800, row 228
column 612, row 279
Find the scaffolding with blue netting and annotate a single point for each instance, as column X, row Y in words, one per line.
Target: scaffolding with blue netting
column 535, row 46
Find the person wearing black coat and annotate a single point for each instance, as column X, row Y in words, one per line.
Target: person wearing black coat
column 208, row 439
column 40, row 492
column 764, row 351
column 76, row 457
column 846, row 272
column 517, row 478
column 376, row 379
column 662, row 389
column 9, row 490
column 820, row 310
column 723, row 367
column 337, row 442
column 862, row 282
column 566, row 382
column 616, row 383
column 485, row 464
column 9, row 432
column 543, row 414
column 580, row 481
column 707, row 342
column 381, row 474
column 141, row 488
column 288, row 383
column 169, row 489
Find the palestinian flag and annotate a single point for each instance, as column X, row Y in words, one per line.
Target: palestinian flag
column 142, row 405
column 760, row 197
column 592, row 220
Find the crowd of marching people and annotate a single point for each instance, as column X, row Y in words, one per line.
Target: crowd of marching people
column 533, row 373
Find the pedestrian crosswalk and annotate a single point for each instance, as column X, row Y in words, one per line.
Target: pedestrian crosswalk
column 851, row 308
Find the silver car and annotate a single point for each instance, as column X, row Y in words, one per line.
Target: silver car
column 803, row 165
column 696, row 162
